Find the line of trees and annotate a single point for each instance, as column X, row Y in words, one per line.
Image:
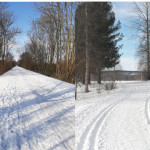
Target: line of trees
column 141, row 23
column 51, row 41
column 7, row 34
column 97, row 38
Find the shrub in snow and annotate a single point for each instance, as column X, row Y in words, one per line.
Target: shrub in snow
column 109, row 85
column 98, row 88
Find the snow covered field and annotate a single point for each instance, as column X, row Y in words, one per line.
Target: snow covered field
column 95, row 89
column 36, row 112
column 119, row 120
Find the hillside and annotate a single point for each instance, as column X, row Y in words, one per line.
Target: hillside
column 36, row 112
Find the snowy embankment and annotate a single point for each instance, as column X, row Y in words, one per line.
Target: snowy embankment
column 119, row 120
column 36, row 112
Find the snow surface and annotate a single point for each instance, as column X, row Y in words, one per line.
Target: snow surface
column 95, row 89
column 119, row 120
column 36, row 112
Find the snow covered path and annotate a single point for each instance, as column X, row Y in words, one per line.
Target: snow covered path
column 116, row 121
column 36, row 112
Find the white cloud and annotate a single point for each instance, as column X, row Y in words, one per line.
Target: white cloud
column 123, row 11
column 14, row 46
column 129, row 63
column 20, row 42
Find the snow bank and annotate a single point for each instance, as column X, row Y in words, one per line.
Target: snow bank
column 36, row 112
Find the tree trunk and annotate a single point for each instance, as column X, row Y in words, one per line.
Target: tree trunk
column 147, row 21
column 83, row 79
column 76, row 88
column 3, row 58
column 99, row 76
column 87, row 52
column 89, row 78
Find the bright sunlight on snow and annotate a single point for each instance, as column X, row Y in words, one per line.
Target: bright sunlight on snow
column 36, row 112
column 119, row 120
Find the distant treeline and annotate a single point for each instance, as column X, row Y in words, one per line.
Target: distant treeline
column 6, row 66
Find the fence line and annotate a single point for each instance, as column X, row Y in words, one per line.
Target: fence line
column 121, row 75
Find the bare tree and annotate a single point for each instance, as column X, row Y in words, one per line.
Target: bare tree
column 7, row 38
column 142, row 25
column 3, row 6
column 8, row 32
column 52, row 40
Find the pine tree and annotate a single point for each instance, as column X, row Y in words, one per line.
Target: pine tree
column 103, row 37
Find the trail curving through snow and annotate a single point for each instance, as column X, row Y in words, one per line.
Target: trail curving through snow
column 118, row 122
column 94, row 128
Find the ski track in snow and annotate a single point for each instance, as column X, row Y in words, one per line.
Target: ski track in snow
column 95, row 131
column 36, row 112
column 92, row 130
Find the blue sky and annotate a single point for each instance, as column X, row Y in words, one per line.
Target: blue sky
column 25, row 13
column 124, row 13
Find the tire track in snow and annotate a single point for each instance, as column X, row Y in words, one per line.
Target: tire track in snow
column 104, row 115
column 91, row 132
column 88, row 110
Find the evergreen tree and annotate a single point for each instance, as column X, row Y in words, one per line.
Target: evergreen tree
column 103, row 37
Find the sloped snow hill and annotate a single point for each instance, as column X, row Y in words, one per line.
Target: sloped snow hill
column 36, row 112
